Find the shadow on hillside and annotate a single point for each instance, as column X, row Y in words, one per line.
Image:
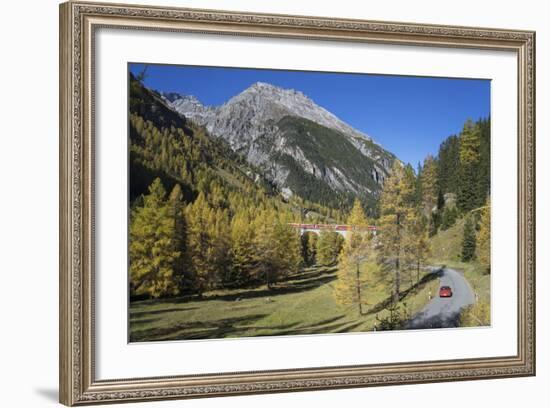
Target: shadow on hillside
column 143, row 313
column 324, row 328
column 386, row 303
column 234, row 327
column 301, row 282
column 212, row 329
column 434, row 322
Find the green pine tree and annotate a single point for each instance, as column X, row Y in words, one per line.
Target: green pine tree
column 450, row 214
column 468, row 192
column 469, row 240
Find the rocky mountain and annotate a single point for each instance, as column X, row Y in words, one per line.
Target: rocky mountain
column 300, row 146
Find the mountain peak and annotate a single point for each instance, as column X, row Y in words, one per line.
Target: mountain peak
column 262, row 85
column 189, row 106
column 265, row 88
column 263, row 102
column 272, row 126
column 175, row 96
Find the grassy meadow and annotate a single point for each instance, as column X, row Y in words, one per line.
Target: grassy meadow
column 303, row 304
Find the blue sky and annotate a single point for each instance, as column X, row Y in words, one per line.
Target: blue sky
column 409, row 116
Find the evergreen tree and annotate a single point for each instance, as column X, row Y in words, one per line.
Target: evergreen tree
column 484, row 168
column 448, row 165
column 153, row 250
column 450, row 214
column 468, row 192
column 484, row 238
column 469, row 240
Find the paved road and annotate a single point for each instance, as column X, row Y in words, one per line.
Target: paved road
column 444, row 312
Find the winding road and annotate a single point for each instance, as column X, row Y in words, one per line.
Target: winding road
column 444, row 312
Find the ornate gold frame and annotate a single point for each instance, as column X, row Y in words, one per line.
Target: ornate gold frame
column 78, row 22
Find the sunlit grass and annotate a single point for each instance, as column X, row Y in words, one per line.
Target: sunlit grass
column 302, row 305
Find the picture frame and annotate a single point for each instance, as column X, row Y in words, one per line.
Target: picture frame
column 79, row 23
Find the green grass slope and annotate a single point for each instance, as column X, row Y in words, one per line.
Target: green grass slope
column 446, row 248
column 304, row 304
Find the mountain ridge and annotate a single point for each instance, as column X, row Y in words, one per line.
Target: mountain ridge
column 250, row 122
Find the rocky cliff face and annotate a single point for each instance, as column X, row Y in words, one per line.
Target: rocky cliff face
column 297, row 144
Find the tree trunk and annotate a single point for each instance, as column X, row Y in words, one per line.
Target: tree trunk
column 358, row 284
column 397, row 280
column 397, row 263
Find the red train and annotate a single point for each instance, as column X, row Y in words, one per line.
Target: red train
column 337, row 227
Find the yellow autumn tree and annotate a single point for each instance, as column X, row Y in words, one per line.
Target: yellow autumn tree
column 397, row 209
column 353, row 268
column 484, row 238
column 428, row 179
column 417, row 245
column 153, row 249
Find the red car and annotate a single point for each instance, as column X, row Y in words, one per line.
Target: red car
column 445, row 291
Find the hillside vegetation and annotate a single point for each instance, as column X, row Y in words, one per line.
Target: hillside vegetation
column 446, row 249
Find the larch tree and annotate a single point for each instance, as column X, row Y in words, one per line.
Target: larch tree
column 220, row 246
column 396, row 208
column 199, row 243
column 418, row 186
column 417, row 245
column 243, row 250
column 329, row 246
column 182, row 275
column 266, row 253
column 484, row 238
column 351, row 277
column 153, row 249
column 429, row 185
column 484, row 168
column 430, row 193
column 309, row 248
column 288, row 247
